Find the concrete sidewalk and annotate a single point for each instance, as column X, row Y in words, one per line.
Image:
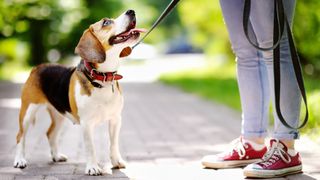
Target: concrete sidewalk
column 164, row 135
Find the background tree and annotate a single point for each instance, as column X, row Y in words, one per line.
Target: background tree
column 35, row 31
column 29, row 21
column 50, row 29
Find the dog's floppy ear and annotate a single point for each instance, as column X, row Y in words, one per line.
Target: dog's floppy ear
column 90, row 49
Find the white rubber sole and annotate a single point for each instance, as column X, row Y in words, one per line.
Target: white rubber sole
column 228, row 164
column 259, row 173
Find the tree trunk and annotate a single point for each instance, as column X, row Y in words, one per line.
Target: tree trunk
column 37, row 42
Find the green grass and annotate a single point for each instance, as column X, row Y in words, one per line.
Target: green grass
column 213, row 83
column 218, row 84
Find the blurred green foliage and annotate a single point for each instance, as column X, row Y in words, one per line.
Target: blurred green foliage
column 204, row 25
column 36, row 31
column 50, row 29
column 307, row 35
column 205, row 28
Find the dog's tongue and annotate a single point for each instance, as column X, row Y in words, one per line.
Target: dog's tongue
column 139, row 30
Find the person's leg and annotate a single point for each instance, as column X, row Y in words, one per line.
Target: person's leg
column 252, row 79
column 254, row 94
column 290, row 97
column 281, row 159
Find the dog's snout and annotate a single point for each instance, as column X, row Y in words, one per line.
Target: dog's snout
column 130, row 12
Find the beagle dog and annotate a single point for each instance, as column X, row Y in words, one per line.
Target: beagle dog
column 86, row 94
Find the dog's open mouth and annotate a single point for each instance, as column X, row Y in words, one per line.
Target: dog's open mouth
column 131, row 32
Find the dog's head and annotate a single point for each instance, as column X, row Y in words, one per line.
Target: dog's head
column 103, row 42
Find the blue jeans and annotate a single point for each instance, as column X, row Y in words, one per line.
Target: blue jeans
column 255, row 68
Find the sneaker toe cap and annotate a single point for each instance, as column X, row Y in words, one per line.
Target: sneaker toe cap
column 211, row 158
column 253, row 166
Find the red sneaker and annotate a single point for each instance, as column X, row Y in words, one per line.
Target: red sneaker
column 277, row 162
column 241, row 154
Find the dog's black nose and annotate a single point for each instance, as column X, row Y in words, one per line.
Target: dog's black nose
column 130, row 12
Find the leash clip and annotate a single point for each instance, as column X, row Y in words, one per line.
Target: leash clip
column 104, row 78
column 112, row 81
column 92, row 71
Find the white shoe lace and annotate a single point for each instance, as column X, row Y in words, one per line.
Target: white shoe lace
column 273, row 154
column 239, row 147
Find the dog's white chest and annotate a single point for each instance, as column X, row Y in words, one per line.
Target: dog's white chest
column 102, row 104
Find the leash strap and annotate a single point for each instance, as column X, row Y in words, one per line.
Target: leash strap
column 246, row 15
column 166, row 12
column 280, row 22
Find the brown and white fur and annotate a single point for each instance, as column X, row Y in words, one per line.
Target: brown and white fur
column 66, row 92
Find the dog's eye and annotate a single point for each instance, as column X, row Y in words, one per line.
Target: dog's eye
column 106, row 22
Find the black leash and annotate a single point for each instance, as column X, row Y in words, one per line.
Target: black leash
column 280, row 22
column 166, row 12
column 277, row 12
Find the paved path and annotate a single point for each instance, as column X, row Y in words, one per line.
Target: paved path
column 164, row 135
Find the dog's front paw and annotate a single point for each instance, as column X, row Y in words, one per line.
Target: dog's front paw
column 20, row 163
column 118, row 163
column 59, row 158
column 93, row 170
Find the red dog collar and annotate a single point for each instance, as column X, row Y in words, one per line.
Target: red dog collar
column 100, row 76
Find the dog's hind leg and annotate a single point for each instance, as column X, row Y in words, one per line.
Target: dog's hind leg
column 53, row 133
column 27, row 115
